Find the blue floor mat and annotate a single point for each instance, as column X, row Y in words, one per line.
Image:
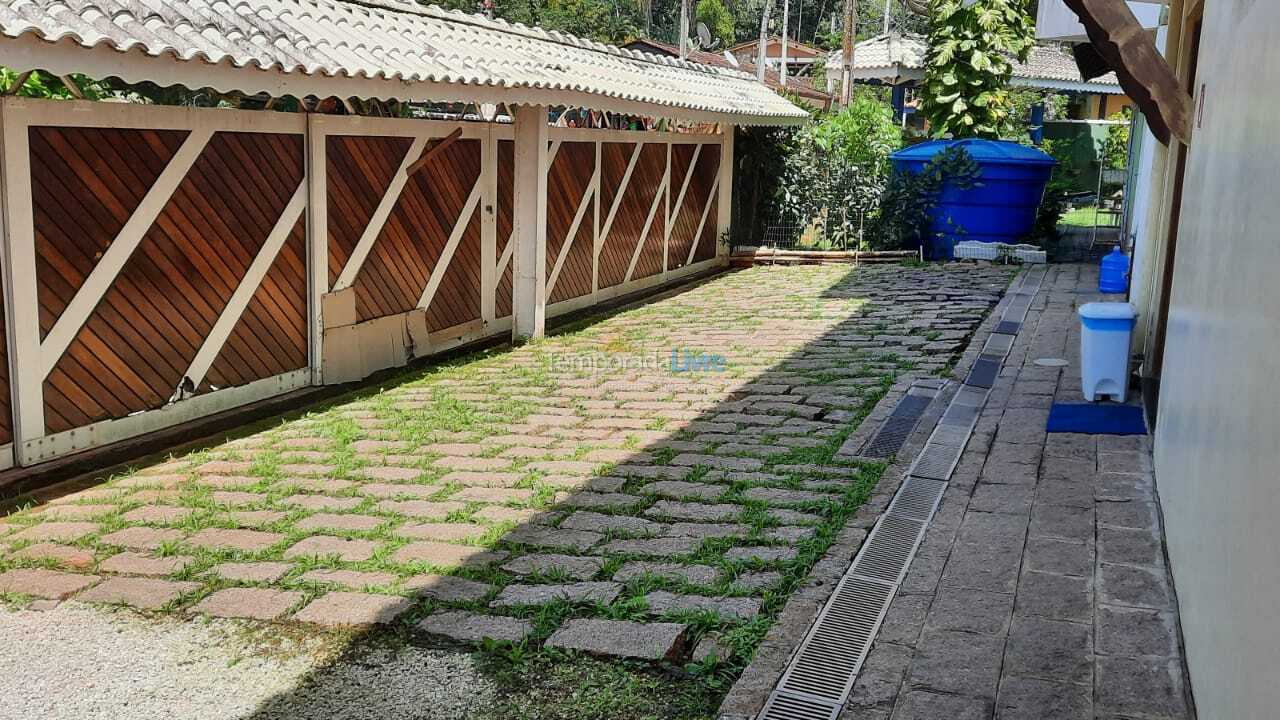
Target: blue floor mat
column 1097, row 419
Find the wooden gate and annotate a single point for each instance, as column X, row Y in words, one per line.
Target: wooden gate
column 163, row 264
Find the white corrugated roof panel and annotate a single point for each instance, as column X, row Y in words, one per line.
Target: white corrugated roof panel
column 399, row 50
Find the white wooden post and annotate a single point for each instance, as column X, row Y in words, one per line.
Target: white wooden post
column 488, row 227
column 317, row 244
column 22, row 311
column 596, row 240
column 529, row 304
column 724, row 203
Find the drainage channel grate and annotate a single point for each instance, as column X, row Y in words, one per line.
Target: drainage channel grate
column 886, row 553
column 828, row 660
column 998, row 343
column 983, row 374
column 797, row 706
column 936, row 462
column 889, row 439
column 917, row 498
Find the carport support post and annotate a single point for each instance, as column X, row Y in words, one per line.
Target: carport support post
column 724, row 187
column 529, row 301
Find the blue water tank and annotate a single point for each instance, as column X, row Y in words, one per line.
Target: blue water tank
column 1114, row 277
column 1001, row 208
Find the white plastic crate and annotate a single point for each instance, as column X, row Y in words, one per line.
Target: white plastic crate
column 974, row 250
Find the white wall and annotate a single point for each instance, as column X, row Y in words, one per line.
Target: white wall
column 1055, row 21
column 1218, row 435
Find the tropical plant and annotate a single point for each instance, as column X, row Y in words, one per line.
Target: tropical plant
column 718, row 19
column 972, row 47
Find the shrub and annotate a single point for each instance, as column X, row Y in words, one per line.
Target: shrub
column 906, row 208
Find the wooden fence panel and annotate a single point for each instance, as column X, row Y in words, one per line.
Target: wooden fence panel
column 695, row 218
column 136, row 346
column 632, row 200
column 359, row 171
column 570, row 219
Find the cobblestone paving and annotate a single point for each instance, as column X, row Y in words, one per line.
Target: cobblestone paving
column 640, row 485
column 1040, row 591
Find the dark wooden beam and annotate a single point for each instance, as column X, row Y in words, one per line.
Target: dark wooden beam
column 1143, row 72
column 433, row 151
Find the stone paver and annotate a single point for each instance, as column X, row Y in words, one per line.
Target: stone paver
column 1040, row 591
column 472, row 627
column 253, row 603
column 132, row 563
column 232, row 539
column 346, row 550
column 42, row 583
column 264, row 572
column 141, row 593
column 336, row 609
column 621, row 638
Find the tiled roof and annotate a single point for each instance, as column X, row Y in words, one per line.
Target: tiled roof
column 414, row 51
column 903, row 56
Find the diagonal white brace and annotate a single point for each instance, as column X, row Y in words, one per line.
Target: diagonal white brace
column 648, row 223
column 380, row 215
column 693, row 246
column 622, row 192
column 506, row 254
column 573, row 232
column 244, row 292
column 451, row 246
column 684, row 188
column 95, row 286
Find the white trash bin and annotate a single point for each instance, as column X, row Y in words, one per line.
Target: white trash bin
column 1104, row 349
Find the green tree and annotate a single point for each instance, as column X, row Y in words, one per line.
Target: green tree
column 1115, row 146
column 972, row 46
column 718, row 19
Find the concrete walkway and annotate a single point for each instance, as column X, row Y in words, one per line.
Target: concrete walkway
column 1041, row 590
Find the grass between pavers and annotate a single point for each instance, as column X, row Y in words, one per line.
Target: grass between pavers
column 511, row 393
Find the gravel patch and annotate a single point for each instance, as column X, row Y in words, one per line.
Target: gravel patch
column 80, row 663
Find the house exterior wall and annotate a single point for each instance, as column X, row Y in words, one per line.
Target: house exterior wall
column 1216, row 449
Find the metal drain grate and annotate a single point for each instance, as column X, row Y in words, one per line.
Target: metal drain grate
column 983, row 374
column 949, row 434
column 936, row 462
column 960, row 414
column 797, row 706
column 970, row 396
column 998, row 344
column 828, row 660
column 1007, row 327
column 889, row 439
column 917, row 498
column 886, row 553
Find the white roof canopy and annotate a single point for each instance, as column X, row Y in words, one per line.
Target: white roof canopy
column 372, row 49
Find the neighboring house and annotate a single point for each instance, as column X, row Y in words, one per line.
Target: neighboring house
column 1204, row 283
column 800, row 87
column 801, row 58
column 899, row 60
